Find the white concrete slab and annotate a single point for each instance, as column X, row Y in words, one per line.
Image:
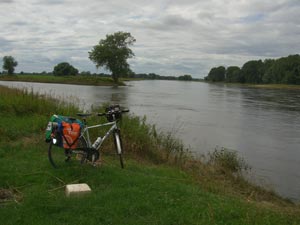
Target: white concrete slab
column 77, row 189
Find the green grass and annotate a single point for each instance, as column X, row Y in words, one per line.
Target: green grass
column 79, row 79
column 277, row 86
column 263, row 86
column 157, row 186
column 139, row 194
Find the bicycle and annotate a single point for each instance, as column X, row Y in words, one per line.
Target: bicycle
column 84, row 149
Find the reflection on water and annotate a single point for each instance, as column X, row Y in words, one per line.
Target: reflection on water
column 286, row 100
column 263, row 125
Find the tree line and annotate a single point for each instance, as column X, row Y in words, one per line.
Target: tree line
column 285, row 70
column 66, row 69
column 111, row 53
column 153, row 76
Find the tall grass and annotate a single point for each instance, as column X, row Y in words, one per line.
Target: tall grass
column 146, row 142
column 24, row 113
column 228, row 161
column 26, row 102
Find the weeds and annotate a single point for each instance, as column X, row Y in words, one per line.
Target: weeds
column 11, row 194
column 228, row 160
column 26, row 102
column 145, row 141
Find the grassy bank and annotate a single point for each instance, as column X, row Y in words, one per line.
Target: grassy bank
column 263, row 86
column 79, row 80
column 161, row 183
column 277, row 86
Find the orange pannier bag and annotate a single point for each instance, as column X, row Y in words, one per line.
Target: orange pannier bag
column 71, row 133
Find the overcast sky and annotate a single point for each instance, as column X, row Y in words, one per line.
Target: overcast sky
column 172, row 37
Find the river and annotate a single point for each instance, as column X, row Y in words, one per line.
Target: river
column 263, row 125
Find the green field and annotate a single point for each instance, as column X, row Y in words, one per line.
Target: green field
column 79, row 79
column 160, row 184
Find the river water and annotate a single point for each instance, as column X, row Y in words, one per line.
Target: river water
column 263, row 125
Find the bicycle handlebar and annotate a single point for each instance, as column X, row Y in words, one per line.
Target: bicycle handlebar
column 109, row 113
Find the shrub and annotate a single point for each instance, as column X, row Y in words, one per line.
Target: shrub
column 228, row 160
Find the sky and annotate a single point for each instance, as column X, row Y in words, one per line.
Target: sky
column 173, row 38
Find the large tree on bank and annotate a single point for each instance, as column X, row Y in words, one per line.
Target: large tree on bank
column 9, row 64
column 112, row 54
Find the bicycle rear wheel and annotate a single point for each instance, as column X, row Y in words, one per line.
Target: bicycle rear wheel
column 118, row 145
column 59, row 157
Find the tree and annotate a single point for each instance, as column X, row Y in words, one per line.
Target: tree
column 185, row 77
column 216, row 74
column 112, row 54
column 233, row 75
column 253, row 71
column 85, row 73
column 9, row 64
column 64, row 69
column 284, row 70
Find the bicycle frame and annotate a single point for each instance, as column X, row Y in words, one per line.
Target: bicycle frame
column 85, row 133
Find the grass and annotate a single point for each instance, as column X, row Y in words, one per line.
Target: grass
column 277, row 86
column 229, row 160
column 267, row 86
column 263, row 86
column 160, row 184
column 79, row 79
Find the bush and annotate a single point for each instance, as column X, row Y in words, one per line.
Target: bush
column 228, row 160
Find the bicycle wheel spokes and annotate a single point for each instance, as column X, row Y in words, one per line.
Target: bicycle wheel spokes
column 60, row 157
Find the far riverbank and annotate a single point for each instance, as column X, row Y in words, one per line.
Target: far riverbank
column 77, row 80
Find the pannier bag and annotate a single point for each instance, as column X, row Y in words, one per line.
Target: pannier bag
column 66, row 131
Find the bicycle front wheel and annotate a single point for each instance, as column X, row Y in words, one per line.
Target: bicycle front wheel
column 59, row 157
column 118, row 145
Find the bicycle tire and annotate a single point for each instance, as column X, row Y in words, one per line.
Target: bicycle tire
column 58, row 156
column 118, row 146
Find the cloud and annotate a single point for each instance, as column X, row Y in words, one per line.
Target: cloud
column 6, row 1
column 47, row 2
column 173, row 37
column 6, row 45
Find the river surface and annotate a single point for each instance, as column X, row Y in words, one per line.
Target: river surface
column 263, row 125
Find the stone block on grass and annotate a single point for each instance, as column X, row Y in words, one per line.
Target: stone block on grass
column 77, row 189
